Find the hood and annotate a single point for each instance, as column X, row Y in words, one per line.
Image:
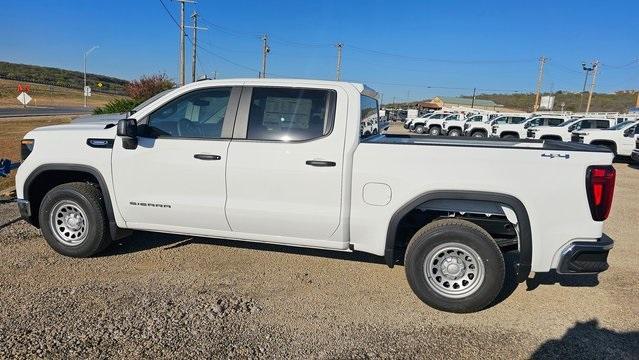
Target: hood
column 586, row 131
column 103, row 119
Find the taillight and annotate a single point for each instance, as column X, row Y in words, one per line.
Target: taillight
column 26, row 147
column 600, row 186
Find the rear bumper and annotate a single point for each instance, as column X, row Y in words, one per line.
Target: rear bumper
column 583, row 257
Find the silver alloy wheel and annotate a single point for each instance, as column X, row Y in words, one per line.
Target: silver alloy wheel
column 434, row 131
column 478, row 134
column 454, row 133
column 69, row 223
column 454, row 270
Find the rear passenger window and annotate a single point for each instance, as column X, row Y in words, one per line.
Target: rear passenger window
column 602, row 124
column 368, row 116
column 555, row 122
column 198, row 114
column 283, row 114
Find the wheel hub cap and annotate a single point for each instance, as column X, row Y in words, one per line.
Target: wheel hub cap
column 453, row 270
column 68, row 223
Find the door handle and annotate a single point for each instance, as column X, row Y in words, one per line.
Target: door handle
column 207, row 157
column 320, row 163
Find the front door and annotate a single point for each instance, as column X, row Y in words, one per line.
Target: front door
column 284, row 173
column 175, row 179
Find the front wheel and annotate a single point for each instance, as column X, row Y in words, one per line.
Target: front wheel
column 435, row 131
column 479, row 134
column 454, row 265
column 454, row 132
column 73, row 220
column 419, row 129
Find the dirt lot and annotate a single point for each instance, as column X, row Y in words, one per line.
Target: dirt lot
column 166, row 296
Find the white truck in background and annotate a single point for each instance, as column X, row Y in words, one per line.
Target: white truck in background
column 481, row 128
column 519, row 129
column 434, row 125
column 620, row 139
column 564, row 131
column 284, row 161
column 419, row 125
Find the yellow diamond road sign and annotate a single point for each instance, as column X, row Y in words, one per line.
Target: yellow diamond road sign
column 100, row 84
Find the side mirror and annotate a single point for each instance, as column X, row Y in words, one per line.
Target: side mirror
column 128, row 131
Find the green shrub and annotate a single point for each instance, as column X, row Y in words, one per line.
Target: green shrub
column 121, row 105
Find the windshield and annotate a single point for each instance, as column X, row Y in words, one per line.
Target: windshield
column 569, row 122
column 150, row 100
column 620, row 125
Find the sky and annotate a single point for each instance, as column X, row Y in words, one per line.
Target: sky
column 404, row 49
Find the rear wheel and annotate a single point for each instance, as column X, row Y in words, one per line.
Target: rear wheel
column 73, row 220
column 509, row 136
column 454, row 265
column 454, row 132
column 435, row 131
column 419, row 129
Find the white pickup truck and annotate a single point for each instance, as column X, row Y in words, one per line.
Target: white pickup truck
column 283, row 161
column 434, row 125
column 564, row 131
column 620, row 139
column 519, row 130
column 482, row 127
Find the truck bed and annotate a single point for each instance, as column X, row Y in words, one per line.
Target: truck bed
column 530, row 144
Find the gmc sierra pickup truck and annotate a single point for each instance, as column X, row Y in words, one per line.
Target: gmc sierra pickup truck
column 620, row 139
column 284, row 162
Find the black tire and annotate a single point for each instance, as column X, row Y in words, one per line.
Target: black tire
column 479, row 134
column 419, row 129
column 510, row 137
column 435, row 131
column 440, row 234
column 454, row 132
column 89, row 200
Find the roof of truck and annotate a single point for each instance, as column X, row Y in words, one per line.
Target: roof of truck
column 362, row 88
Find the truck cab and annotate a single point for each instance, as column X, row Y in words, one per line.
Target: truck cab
column 456, row 127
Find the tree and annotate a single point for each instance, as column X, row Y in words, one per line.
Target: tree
column 147, row 86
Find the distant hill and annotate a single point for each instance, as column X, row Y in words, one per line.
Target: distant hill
column 601, row 102
column 60, row 77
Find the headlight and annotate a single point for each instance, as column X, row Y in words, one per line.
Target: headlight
column 26, row 147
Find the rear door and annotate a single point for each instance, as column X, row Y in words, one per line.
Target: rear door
column 284, row 171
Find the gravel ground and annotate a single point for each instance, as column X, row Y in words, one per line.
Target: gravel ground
column 161, row 296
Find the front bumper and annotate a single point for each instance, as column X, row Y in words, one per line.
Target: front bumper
column 635, row 155
column 583, row 257
column 25, row 208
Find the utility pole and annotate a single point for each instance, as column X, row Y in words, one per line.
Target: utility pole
column 182, row 56
column 595, row 67
column 637, row 104
column 472, row 104
column 84, row 89
column 265, row 51
column 195, row 29
column 540, row 80
column 587, row 70
column 338, row 69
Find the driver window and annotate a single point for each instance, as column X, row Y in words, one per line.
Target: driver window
column 198, row 114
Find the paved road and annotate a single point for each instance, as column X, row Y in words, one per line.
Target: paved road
column 43, row 111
